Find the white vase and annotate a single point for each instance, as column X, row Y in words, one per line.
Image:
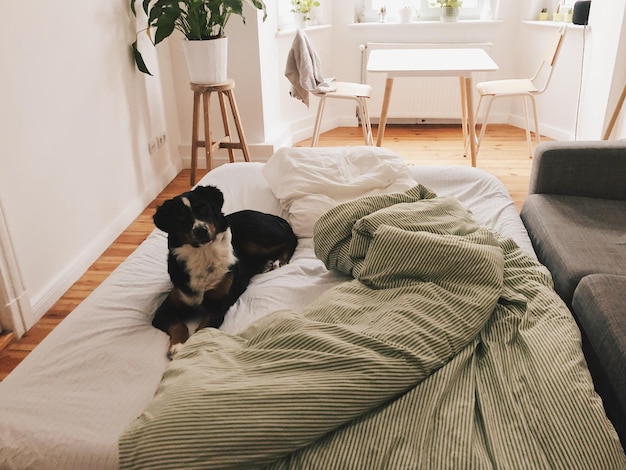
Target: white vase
column 449, row 14
column 302, row 21
column 207, row 60
column 406, row 14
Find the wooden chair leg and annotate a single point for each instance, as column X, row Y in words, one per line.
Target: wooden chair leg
column 194, row 136
column 476, row 116
column 237, row 119
column 318, row 122
column 361, row 113
column 227, row 134
column 537, row 133
column 528, row 139
column 367, row 122
column 483, row 126
column 208, row 142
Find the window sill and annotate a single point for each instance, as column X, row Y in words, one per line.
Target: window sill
column 291, row 29
column 395, row 24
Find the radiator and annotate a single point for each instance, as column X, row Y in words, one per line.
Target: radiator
column 418, row 100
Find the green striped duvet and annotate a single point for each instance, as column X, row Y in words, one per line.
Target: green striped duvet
column 449, row 349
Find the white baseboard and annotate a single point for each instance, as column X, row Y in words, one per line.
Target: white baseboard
column 549, row 131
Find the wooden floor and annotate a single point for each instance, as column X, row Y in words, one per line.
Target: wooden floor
column 504, row 153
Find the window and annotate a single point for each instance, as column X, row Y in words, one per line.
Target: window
column 289, row 20
column 368, row 10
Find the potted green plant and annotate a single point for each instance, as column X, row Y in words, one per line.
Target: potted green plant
column 303, row 9
column 449, row 9
column 202, row 22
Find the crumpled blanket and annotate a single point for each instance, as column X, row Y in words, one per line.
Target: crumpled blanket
column 449, row 349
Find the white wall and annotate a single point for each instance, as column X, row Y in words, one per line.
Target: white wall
column 75, row 168
column 605, row 67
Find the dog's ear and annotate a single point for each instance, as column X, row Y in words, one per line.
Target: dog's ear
column 212, row 195
column 165, row 216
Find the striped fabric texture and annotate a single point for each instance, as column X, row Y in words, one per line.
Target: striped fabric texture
column 449, row 349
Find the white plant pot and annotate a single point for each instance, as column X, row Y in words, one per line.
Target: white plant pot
column 406, row 14
column 207, row 60
column 301, row 23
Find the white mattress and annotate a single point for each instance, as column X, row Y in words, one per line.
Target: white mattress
column 65, row 406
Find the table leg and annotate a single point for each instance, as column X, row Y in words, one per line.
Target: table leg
column 618, row 107
column 464, row 114
column 469, row 98
column 383, row 115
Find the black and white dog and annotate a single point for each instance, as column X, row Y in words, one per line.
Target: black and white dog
column 212, row 257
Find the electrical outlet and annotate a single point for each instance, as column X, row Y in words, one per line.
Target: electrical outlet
column 161, row 140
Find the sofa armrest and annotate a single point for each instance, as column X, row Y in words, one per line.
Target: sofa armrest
column 587, row 168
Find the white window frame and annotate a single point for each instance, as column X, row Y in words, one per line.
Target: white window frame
column 371, row 9
column 287, row 20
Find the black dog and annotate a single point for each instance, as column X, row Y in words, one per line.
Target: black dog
column 212, row 257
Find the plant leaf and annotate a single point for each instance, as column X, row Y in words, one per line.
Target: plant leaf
column 259, row 5
column 158, row 9
column 165, row 25
column 141, row 65
column 146, row 5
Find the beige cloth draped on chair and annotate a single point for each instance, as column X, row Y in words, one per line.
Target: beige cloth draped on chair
column 303, row 69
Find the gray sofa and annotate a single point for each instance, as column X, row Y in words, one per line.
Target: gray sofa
column 575, row 214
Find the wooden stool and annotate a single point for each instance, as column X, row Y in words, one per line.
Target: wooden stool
column 210, row 146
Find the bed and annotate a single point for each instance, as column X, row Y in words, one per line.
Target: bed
column 413, row 328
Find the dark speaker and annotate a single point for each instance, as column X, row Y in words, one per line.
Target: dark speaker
column 581, row 12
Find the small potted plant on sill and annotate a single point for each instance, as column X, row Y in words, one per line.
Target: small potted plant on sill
column 303, row 8
column 202, row 22
column 449, row 9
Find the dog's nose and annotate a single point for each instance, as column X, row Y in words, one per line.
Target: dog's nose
column 201, row 234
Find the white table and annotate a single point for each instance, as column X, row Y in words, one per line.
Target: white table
column 439, row 62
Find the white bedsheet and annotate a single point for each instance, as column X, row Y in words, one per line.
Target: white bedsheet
column 66, row 404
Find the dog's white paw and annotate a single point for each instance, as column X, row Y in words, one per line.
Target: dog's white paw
column 271, row 265
column 174, row 348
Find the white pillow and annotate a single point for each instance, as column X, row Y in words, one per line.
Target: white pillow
column 310, row 181
column 243, row 187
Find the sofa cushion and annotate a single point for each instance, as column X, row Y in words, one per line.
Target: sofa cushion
column 575, row 236
column 600, row 305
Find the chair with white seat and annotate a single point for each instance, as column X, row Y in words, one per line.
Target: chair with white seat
column 527, row 88
column 359, row 92
column 303, row 69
